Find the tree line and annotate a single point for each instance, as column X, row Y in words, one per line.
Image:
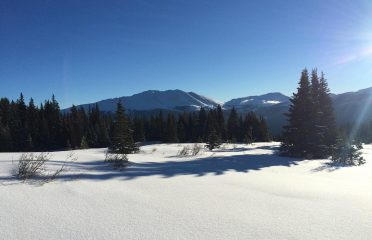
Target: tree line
column 27, row 127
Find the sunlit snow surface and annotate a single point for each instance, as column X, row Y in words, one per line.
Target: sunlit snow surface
column 240, row 192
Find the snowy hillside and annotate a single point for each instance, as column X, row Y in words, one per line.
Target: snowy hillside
column 254, row 102
column 353, row 106
column 153, row 99
column 246, row 192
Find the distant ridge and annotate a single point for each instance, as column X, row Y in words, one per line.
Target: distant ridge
column 176, row 100
column 349, row 107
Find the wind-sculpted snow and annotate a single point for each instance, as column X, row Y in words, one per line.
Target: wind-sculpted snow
column 238, row 192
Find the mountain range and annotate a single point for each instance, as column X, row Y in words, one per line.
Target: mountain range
column 349, row 107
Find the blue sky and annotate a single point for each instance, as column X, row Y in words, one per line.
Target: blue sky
column 84, row 51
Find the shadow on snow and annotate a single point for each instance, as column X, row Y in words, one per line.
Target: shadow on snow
column 216, row 165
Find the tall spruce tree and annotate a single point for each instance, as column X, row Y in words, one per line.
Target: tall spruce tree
column 138, row 129
column 297, row 137
column 171, row 130
column 233, row 126
column 311, row 129
column 122, row 138
column 328, row 119
column 316, row 138
column 220, row 122
column 213, row 140
column 202, row 124
column 181, row 128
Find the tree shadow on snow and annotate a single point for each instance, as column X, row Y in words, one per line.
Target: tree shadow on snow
column 216, row 165
column 330, row 167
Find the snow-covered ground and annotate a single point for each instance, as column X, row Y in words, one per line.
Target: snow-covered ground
column 243, row 193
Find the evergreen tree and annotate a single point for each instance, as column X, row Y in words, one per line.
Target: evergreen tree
column 84, row 143
column 347, row 153
column 263, row 132
column 122, row 138
column 5, row 138
column 171, row 132
column 220, row 123
column 20, row 128
column 327, row 120
column 75, row 127
column 32, row 123
column 297, row 138
column 139, row 130
column 202, row 124
column 181, row 128
column 233, row 126
column 311, row 129
column 213, row 140
column 317, row 131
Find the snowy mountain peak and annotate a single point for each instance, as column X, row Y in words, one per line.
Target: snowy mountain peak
column 177, row 100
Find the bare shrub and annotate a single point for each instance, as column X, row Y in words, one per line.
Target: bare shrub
column 116, row 159
column 223, row 146
column 32, row 165
column 190, row 151
column 154, row 150
column 185, row 151
column 196, row 148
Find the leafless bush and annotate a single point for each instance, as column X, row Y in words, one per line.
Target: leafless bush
column 116, row 159
column 31, row 165
column 183, row 152
column 190, row 151
column 154, row 150
column 223, row 146
column 196, row 148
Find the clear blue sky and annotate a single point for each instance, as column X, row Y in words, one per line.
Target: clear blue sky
column 83, row 51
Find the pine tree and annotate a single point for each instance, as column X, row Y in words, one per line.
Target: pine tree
column 297, row 138
column 5, row 138
column 202, row 124
column 311, row 129
column 347, row 153
column 252, row 126
column 233, row 126
column 327, row 120
column 84, row 143
column 317, row 130
column 220, row 123
column 213, row 140
column 139, row 130
column 171, row 131
column 122, row 138
column 181, row 128
column 75, row 127
column 263, row 132
column 32, row 123
column 20, row 128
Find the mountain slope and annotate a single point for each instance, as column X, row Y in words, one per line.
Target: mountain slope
column 353, row 106
column 349, row 107
column 253, row 102
column 174, row 100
